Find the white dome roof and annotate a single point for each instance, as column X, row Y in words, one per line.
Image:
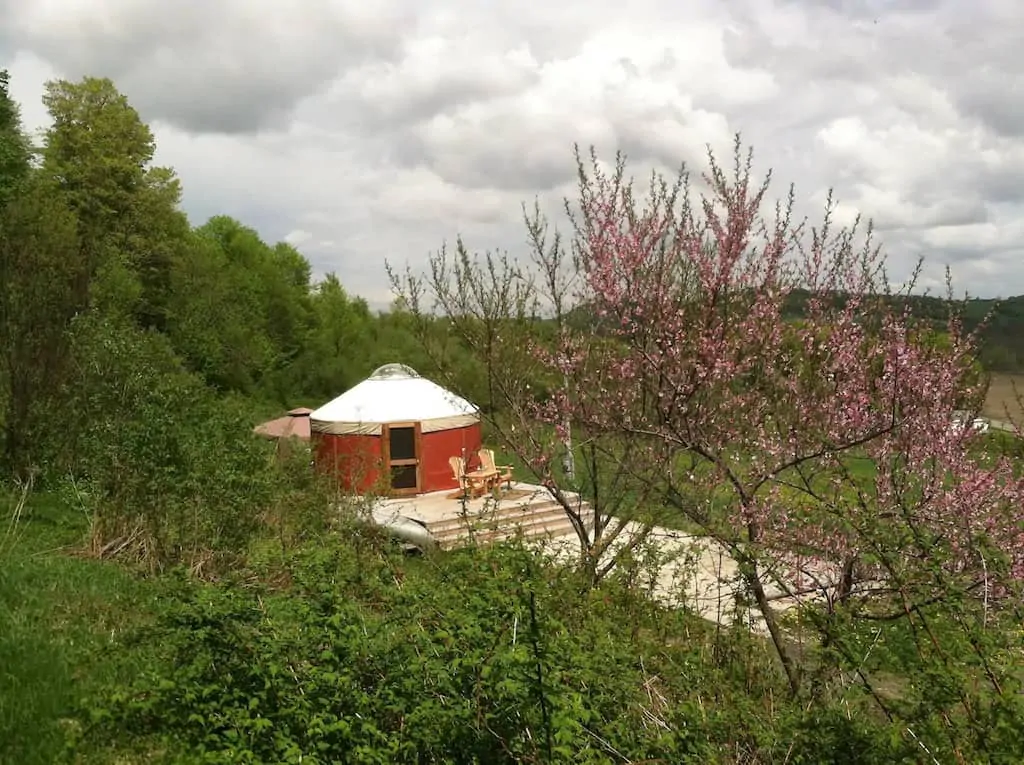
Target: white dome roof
column 393, row 393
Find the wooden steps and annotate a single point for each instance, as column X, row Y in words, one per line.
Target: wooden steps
column 541, row 518
column 524, row 510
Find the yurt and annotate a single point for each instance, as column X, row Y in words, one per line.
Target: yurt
column 394, row 432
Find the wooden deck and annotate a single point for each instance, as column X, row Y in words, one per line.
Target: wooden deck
column 523, row 509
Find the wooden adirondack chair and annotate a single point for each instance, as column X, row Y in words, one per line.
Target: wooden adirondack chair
column 502, row 473
column 473, row 484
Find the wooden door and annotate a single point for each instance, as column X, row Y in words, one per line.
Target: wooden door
column 402, row 447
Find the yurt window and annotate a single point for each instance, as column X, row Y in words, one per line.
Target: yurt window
column 402, row 454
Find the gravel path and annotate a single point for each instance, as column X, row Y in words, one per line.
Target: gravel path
column 695, row 572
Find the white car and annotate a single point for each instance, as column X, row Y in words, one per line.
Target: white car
column 961, row 421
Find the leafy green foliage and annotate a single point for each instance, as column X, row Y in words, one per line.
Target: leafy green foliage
column 97, row 150
column 14, row 148
column 158, row 460
column 214, row 317
column 38, row 267
column 368, row 657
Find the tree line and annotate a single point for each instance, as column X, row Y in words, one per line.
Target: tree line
column 95, row 251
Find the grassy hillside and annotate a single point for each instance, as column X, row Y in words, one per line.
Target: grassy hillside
column 344, row 649
column 64, row 620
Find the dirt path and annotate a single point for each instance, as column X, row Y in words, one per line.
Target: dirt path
column 1002, row 397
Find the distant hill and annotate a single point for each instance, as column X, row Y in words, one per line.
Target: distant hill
column 1002, row 348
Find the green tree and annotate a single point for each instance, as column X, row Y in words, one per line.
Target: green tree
column 338, row 352
column 14, row 147
column 275, row 280
column 98, row 151
column 38, row 257
column 38, row 260
column 215, row 319
column 97, row 148
column 239, row 310
column 289, row 314
column 157, row 235
column 95, row 228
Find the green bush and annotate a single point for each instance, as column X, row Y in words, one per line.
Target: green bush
column 492, row 657
column 167, row 470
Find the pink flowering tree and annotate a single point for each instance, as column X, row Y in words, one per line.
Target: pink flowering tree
column 516, row 322
column 738, row 372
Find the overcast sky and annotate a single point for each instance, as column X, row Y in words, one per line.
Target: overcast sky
column 365, row 131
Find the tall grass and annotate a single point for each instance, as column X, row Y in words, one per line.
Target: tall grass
column 59, row 615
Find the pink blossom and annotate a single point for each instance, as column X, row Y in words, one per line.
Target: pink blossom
column 701, row 360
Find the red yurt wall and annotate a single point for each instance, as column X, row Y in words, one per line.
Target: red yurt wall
column 355, row 459
column 442, row 445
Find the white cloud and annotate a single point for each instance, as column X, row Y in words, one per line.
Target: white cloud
column 364, row 132
column 298, row 237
